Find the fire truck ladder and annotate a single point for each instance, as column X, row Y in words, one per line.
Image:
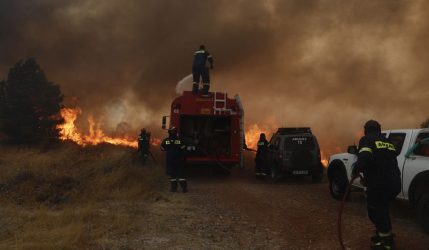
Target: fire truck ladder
column 219, row 104
column 242, row 139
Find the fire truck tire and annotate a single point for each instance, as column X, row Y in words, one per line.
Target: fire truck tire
column 423, row 211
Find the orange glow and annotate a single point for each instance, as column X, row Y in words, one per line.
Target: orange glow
column 95, row 135
column 324, row 159
column 252, row 135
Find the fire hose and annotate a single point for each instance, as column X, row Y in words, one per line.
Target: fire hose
column 340, row 213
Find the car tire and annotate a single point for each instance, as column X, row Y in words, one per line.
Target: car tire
column 423, row 212
column 317, row 176
column 275, row 174
column 338, row 184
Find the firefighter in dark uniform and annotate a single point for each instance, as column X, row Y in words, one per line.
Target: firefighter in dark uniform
column 174, row 148
column 143, row 144
column 261, row 157
column 377, row 161
column 199, row 69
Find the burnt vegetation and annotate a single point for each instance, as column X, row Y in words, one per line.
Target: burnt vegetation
column 29, row 105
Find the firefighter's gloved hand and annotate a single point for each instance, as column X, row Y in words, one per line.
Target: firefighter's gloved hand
column 355, row 171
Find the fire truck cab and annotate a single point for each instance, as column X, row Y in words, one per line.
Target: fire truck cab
column 210, row 126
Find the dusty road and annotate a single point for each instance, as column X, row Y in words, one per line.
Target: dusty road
column 239, row 212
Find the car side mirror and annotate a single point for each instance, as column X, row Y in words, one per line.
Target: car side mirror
column 164, row 122
column 352, row 150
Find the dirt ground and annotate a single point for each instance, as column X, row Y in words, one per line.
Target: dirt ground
column 103, row 198
column 239, row 212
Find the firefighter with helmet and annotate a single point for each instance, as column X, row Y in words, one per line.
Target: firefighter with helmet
column 200, row 70
column 175, row 154
column 261, row 157
column 377, row 161
column 143, row 144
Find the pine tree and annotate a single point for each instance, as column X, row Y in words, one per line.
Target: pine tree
column 30, row 104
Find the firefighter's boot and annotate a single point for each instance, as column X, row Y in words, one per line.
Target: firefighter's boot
column 206, row 88
column 173, row 185
column 195, row 88
column 382, row 242
column 184, row 185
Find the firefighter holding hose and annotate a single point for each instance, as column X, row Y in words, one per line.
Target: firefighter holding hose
column 143, row 144
column 261, row 157
column 377, row 161
column 175, row 154
column 200, row 70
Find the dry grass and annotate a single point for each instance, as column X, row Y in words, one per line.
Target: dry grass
column 72, row 197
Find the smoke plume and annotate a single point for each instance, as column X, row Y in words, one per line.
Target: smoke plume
column 330, row 65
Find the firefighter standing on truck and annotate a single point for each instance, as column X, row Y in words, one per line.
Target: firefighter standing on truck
column 175, row 154
column 377, row 161
column 261, row 157
column 199, row 69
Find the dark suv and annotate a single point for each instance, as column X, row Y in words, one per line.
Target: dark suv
column 295, row 151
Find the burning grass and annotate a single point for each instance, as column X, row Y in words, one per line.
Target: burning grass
column 72, row 197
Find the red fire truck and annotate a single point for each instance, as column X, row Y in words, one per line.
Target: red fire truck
column 210, row 126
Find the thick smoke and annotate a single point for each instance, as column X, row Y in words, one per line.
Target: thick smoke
column 330, row 65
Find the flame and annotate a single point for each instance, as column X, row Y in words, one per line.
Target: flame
column 324, row 159
column 252, row 135
column 68, row 131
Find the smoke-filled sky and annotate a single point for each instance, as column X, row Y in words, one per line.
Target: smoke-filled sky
column 327, row 64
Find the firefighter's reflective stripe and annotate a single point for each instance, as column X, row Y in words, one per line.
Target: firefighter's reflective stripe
column 382, row 144
column 261, row 143
column 167, row 142
column 200, row 52
column 172, row 180
column 183, row 147
column 209, row 56
column 182, row 179
column 177, row 142
column 206, row 84
column 365, row 149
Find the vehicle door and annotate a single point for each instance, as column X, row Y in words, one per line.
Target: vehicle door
column 416, row 161
column 401, row 140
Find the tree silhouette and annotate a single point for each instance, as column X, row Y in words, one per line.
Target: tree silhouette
column 29, row 104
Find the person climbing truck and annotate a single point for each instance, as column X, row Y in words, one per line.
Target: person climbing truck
column 200, row 70
column 175, row 154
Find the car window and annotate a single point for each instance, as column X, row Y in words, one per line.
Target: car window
column 398, row 140
column 422, row 136
column 422, row 148
column 299, row 142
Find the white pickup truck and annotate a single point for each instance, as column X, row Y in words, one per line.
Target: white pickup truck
column 413, row 160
